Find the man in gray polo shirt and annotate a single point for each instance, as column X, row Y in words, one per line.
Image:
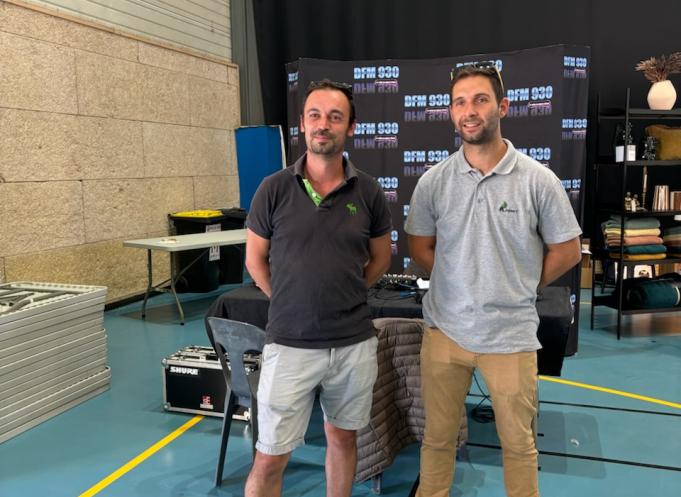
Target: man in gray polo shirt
column 318, row 237
column 492, row 226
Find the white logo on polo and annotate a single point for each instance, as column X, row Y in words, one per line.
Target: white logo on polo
column 182, row 370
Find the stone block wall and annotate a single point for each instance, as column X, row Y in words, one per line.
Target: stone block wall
column 103, row 135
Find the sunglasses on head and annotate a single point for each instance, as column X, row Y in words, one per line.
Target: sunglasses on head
column 487, row 67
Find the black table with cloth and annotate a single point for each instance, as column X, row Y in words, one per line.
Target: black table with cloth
column 248, row 304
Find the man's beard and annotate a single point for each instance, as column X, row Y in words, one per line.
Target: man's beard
column 484, row 136
column 329, row 147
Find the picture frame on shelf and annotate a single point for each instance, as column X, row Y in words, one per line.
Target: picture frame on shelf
column 643, row 271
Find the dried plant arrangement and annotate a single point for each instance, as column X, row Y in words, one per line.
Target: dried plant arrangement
column 658, row 69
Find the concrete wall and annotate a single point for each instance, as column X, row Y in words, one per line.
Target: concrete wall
column 102, row 136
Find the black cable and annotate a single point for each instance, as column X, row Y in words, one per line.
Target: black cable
column 595, row 406
column 480, row 413
column 585, row 457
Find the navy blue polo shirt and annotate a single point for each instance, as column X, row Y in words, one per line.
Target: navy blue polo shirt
column 317, row 256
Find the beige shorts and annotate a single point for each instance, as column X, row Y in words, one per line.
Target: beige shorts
column 289, row 380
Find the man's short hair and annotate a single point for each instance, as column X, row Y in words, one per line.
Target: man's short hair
column 488, row 70
column 327, row 84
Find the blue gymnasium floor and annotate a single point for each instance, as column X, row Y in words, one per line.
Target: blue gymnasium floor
column 592, row 443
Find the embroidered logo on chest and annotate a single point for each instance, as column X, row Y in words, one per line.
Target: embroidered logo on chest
column 505, row 208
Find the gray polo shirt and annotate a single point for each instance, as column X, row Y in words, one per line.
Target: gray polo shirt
column 317, row 256
column 489, row 251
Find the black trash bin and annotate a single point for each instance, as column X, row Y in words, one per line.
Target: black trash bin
column 204, row 274
column 232, row 256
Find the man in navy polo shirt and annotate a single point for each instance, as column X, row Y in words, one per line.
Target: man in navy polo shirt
column 318, row 237
column 492, row 226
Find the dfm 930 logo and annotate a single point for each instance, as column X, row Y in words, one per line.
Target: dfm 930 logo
column 376, row 72
column 384, row 128
column 541, row 154
column 389, row 185
column 426, row 107
column 571, row 184
column 530, row 94
column 376, row 79
column 530, row 101
column 578, row 62
column 292, row 79
column 574, row 129
column 388, row 182
column 425, row 155
column 575, row 67
column 417, row 162
column 432, row 100
column 574, row 123
column 376, row 135
column 293, row 134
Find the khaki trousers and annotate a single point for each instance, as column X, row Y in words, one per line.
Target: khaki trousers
column 446, row 373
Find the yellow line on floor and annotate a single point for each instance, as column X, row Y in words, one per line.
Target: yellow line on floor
column 610, row 390
column 140, row 458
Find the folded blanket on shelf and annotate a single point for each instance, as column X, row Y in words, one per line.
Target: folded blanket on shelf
column 672, row 238
column 643, row 249
column 632, row 232
column 673, row 230
column 615, row 221
column 614, row 241
column 638, row 257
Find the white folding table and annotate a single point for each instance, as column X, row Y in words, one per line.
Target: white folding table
column 180, row 243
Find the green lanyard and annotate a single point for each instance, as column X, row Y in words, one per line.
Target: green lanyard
column 316, row 198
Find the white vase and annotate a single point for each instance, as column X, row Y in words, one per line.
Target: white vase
column 662, row 95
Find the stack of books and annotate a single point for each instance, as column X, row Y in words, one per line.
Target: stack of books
column 661, row 198
column 675, row 201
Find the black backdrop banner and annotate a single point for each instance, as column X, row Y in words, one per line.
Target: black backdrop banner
column 403, row 125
